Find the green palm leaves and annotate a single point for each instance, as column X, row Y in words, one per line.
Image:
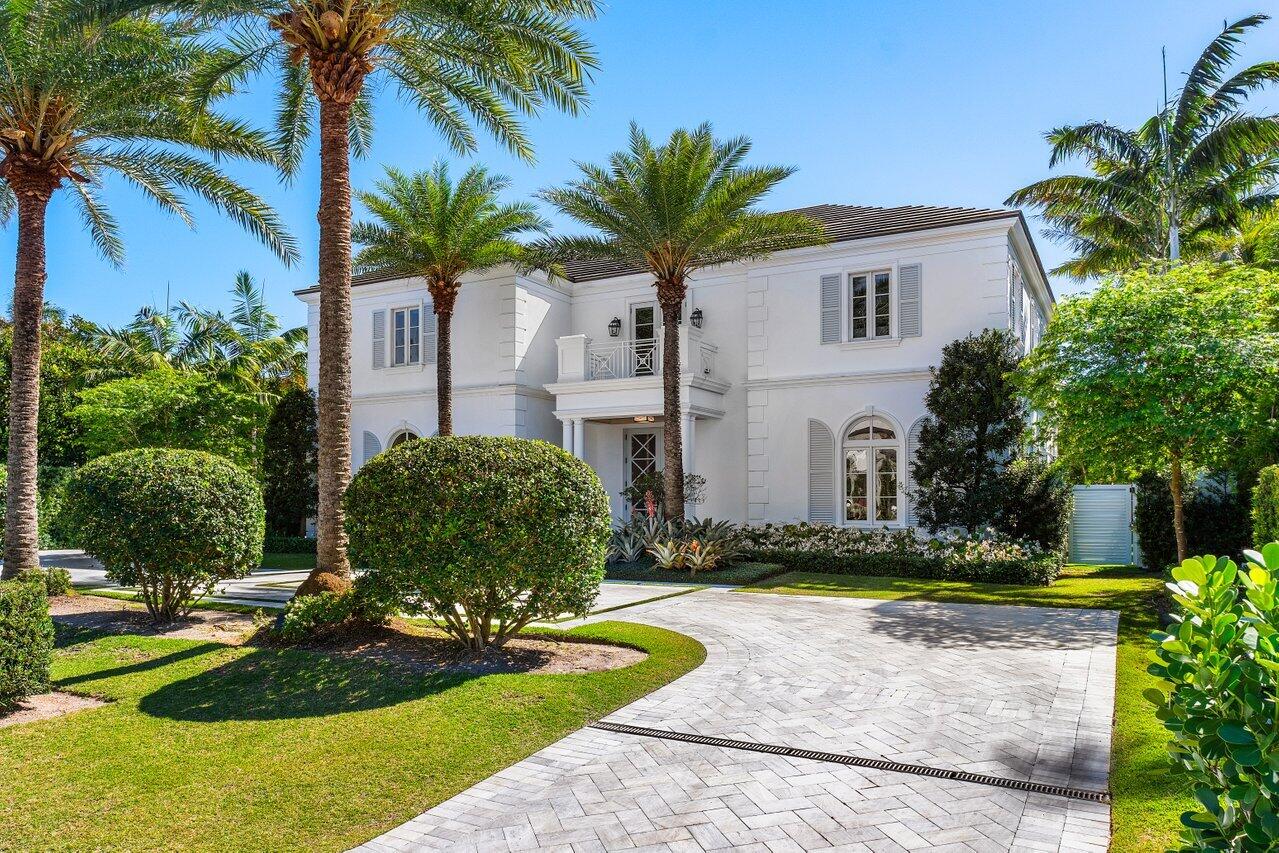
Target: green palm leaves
column 426, row 224
column 79, row 101
column 676, row 207
column 1172, row 187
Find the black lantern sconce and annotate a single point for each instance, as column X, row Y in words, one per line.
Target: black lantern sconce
column 696, row 318
column 615, row 327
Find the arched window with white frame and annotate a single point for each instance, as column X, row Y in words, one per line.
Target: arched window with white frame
column 872, row 472
column 401, row 436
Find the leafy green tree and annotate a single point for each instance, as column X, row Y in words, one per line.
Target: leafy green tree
column 1160, row 372
column 288, row 463
column 486, row 62
column 671, row 210
column 168, row 408
column 1172, row 187
column 428, row 226
column 975, row 420
column 80, row 99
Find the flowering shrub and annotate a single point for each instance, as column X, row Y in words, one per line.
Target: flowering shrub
column 900, row 553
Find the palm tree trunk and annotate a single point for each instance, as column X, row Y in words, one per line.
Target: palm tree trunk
column 444, row 365
column 21, row 532
column 672, row 413
column 334, row 398
column 1176, row 486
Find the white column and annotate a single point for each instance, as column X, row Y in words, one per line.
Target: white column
column 689, row 452
column 579, row 438
column 567, row 444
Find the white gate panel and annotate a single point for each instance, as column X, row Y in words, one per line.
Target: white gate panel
column 1101, row 526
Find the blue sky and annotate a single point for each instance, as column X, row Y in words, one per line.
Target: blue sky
column 875, row 103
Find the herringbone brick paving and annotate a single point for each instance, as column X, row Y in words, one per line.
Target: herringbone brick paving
column 1024, row 693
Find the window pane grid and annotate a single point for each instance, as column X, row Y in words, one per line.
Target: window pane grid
column 406, row 336
column 870, row 305
column 871, row 472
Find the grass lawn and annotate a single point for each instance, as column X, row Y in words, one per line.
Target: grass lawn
column 644, row 570
column 288, row 561
column 1148, row 799
column 214, row 747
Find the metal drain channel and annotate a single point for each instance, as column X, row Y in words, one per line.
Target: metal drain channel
column 857, row 761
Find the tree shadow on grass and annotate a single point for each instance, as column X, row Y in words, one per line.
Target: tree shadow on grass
column 280, row 684
column 142, row 665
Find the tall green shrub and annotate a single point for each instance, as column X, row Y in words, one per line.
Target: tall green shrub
column 1221, row 660
column 289, row 452
column 26, row 640
column 1036, row 504
column 1217, row 520
column 1265, row 506
column 171, row 522
column 484, row 535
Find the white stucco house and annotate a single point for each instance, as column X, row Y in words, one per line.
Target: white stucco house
column 803, row 376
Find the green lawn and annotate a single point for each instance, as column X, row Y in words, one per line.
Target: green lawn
column 213, row 747
column 288, row 561
column 644, row 570
column 1148, row 800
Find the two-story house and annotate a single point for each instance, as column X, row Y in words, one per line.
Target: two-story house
column 802, row 376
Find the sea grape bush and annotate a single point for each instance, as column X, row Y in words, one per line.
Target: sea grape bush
column 1220, row 659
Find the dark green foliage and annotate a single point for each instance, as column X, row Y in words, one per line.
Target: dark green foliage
column 1037, row 503
column 327, row 613
column 1220, row 659
column 1217, row 520
column 507, row 529
column 273, row 544
column 52, row 482
column 976, row 418
column 1265, row 506
column 289, row 454
column 67, row 363
column 26, row 640
column 172, row 522
column 694, row 490
column 55, row 581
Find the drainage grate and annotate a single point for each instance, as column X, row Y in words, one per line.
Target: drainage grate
column 857, row 761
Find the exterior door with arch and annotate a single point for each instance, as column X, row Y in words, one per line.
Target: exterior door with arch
column 872, row 467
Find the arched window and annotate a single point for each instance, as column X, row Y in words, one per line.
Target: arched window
column 872, row 465
column 401, row 437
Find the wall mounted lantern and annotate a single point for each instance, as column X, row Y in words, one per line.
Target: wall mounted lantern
column 696, row 318
column 615, row 327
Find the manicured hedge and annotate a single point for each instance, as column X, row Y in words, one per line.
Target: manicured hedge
column 1265, row 505
column 172, row 522
column 273, row 544
column 836, row 550
column 1218, row 520
column 26, row 640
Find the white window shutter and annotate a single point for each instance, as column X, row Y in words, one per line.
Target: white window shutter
column 912, row 450
column 910, row 300
column 379, row 340
column 430, row 333
column 830, row 298
column 821, row 472
column 372, row 447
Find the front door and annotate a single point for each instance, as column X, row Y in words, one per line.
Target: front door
column 645, row 323
column 643, row 456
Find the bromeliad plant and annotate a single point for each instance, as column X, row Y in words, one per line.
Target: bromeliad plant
column 1221, row 662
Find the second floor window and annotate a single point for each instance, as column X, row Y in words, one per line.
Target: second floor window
column 406, row 336
column 870, row 305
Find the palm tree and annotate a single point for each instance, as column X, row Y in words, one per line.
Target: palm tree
column 673, row 209
column 490, row 60
column 1167, row 189
column 429, row 226
column 80, row 99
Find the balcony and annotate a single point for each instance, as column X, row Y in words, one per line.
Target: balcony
column 581, row 360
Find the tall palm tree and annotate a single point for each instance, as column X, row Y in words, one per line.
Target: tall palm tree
column 80, row 99
column 673, row 209
column 1165, row 190
column 428, row 226
column 486, row 61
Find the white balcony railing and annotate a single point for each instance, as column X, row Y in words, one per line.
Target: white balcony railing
column 582, row 360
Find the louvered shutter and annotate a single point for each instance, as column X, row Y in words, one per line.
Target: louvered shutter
column 430, row 333
column 912, row 450
column 379, row 340
column 372, row 447
column 910, row 300
column 821, row 473
column 830, row 320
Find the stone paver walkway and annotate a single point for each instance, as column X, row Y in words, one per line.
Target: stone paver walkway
column 1021, row 693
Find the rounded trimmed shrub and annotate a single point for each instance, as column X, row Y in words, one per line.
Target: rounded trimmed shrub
column 172, row 522
column 26, row 640
column 1265, row 506
column 482, row 534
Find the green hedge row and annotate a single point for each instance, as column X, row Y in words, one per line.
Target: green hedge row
column 26, row 640
column 274, row 544
column 1038, row 570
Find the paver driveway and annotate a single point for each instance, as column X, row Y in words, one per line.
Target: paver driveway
column 1017, row 693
